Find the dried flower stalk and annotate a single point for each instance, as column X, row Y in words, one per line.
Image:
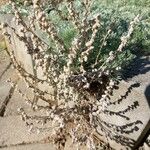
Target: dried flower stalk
column 80, row 95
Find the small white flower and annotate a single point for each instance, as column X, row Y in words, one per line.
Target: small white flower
column 112, row 83
column 110, row 53
column 86, row 86
column 85, row 58
column 118, row 68
column 71, row 104
column 88, row 44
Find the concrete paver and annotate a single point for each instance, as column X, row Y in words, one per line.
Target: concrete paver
column 4, row 65
column 31, row 147
column 4, row 92
column 13, row 131
column 17, row 101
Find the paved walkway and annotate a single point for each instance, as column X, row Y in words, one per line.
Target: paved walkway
column 14, row 134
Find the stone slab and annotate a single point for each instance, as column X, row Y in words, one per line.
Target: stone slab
column 14, row 135
column 4, row 62
column 139, row 71
column 5, row 73
column 31, row 147
column 20, row 50
column 9, row 74
column 17, row 46
column 140, row 113
column 6, row 87
column 38, row 146
column 17, row 101
column 13, row 131
column 4, row 91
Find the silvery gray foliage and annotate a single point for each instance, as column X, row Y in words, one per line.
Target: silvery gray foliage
column 80, row 93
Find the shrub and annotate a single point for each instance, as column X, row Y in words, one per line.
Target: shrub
column 120, row 13
column 80, row 60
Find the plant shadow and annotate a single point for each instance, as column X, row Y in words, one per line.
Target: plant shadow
column 139, row 65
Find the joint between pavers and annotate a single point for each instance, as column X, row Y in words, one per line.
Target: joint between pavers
column 6, row 69
column 7, row 99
